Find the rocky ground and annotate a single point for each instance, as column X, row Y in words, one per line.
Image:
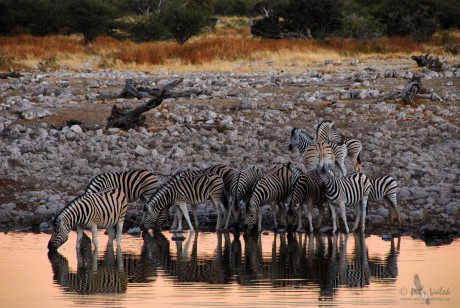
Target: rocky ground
column 240, row 119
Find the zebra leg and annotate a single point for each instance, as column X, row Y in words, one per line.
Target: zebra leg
column 334, row 217
column 183, row 208
column 111, row 234
column 259, row 222
column 358, row 208
column 176, row 218
column 79, row 236
column 364, row 206
column 119, row 231
column 309, row 209
column 219, row 219
column 283, row 214
column 275, row 223
column 195, row 215
column 344, row 216
column 94, row 232
column 299, row 218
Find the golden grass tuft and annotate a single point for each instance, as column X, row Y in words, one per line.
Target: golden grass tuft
column 225, row 48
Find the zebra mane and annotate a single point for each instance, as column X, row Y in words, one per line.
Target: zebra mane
column 66, row 208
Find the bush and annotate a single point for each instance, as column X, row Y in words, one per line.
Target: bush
column 184, row 21
column 361, row 27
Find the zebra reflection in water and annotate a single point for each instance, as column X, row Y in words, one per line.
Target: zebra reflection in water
column 93, row 275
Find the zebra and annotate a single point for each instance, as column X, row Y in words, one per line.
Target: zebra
column 103, row 209
column 306, row 189
column 134, row 183
column 385, row 188
column 349, row 191
column 226, row 173
column 179, row 191
column 241, row 187
column 312, row 150
column 273, row 188
column 325, row 133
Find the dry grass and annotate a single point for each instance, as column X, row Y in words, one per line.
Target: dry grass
column 221, row 50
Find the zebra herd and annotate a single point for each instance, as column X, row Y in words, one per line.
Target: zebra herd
column 236, row 193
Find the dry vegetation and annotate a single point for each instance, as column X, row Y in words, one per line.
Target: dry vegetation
column 214, row 51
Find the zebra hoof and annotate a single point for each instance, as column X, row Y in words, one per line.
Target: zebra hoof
column 280, row 230
column 176, row 231
column 301, row 231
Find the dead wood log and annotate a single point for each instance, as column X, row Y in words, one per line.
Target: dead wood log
column 408, row 93
column 10, row 75
column 131, row 91
column 127, row 118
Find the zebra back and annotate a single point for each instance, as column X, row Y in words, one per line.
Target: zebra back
column 134, row 183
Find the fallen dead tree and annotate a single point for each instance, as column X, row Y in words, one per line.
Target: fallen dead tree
column 407, row 94
column 130, row 90
column 127, row 118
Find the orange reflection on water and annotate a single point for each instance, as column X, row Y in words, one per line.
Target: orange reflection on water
column 208, row 269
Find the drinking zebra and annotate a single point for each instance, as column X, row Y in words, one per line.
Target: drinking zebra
column 179, row 191
column 271, row 188
column 325, row 133
column 307, row 189
column 134, row 183
column 241, row 187
column 226, row 173
column 346, row 191
column 315, row 153
column 103, row 209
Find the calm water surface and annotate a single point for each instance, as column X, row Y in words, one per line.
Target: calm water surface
column 209, row 269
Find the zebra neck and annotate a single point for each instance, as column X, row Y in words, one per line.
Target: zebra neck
column 332, row 188
column 305, row 142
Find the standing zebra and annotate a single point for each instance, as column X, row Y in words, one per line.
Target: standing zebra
column 134, row 183
column 226, row 173
column 272, row 188
column 320, row 150
column 325, row 133
column 103, row 209
column 385, row 188
column 346, row 191
column 306, row 189
column 241, row 187
column 179, row 191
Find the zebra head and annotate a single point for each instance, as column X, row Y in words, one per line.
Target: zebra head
column 326, row 174
column 292, row 216
column 60, row 234
column 295, row 139
column 154, row 219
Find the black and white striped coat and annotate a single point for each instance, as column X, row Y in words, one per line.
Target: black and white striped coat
column 226, row 173
column 273, row 188
column 346, row 191
column 136, row 184
column 103, row 209
column 241, row 188
column 179, row 191
column 316, row 154
column 307, row 190
column 325, row 133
